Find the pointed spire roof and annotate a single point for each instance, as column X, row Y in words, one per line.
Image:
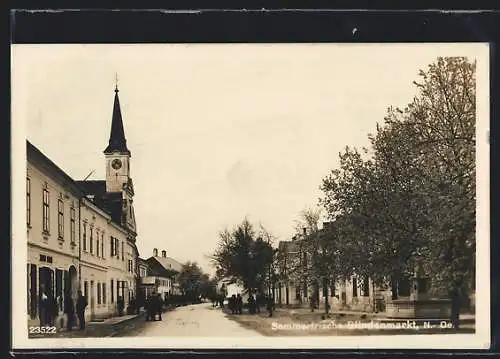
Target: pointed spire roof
column 117, row 141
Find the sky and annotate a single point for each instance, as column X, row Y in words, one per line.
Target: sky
column 217, row 132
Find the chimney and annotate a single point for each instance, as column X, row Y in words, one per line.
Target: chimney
column 155, row 252
column 164, row 254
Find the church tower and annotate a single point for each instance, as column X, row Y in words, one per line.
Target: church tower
column 118, row 165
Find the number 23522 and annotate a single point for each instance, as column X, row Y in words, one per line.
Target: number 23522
column 42, row 330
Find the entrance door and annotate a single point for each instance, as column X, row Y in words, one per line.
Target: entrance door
column 46, row 287
column 33, row 291
column 92, row 300
column 344, row 298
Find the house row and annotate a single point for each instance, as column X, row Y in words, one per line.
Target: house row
column 81, row 235
column 406, row 297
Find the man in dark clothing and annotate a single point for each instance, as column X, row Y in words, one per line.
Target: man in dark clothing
column 232, row 304
column 147, row 307
column 239, row 303
column 251, row 304
column 81, row 304
column 43, row 305
column 153, row 306
column 52, row 310
column 69, row 310
column 159, row 304
column 270, row 305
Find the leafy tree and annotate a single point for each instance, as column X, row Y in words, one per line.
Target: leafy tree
column 411, row 206
column 191, row 278
column 243, row 256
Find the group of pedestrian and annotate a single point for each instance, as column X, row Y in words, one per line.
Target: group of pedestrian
column 254, row 304
column 236, row 304
column 50, row 307
column 154, row 306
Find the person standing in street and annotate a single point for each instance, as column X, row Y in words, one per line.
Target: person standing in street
column 43, row 305
column 81, row 304
column 69, row 310
column 159, row 304
column 239, row 304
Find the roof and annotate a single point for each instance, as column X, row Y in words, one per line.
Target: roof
column 45, row 163
column 288, row 247
column 117, row 141
column 111, row 202
column 169, row 263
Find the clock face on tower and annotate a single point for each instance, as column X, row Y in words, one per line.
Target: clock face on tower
column 116, row 164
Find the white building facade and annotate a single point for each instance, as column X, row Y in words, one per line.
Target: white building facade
column 81, row 235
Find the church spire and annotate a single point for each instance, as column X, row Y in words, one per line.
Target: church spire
column 117, row 141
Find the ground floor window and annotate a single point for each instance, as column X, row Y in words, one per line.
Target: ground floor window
column 103, row 293
column 404, row 287
column 112, row 292
column 86, row 289
column 98, row 293
column 366, row 287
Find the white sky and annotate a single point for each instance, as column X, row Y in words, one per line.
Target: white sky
column 217, row 132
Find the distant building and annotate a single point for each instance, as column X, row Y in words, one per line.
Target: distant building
column 163, row 274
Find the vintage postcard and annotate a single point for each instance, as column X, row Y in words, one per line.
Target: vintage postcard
column 250, row 196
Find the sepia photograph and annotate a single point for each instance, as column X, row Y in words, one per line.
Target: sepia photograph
column 250, row 196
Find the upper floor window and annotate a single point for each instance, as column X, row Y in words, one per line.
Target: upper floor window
column 72, row 227
column 111, row 246
column 91, row 240
column 85, row 236
column 102, row 245
column 97, row 246
column 123, row 251
column 60, row 218
column 46, row 210
column 28, row 201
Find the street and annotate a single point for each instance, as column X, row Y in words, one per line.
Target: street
column 191, row 320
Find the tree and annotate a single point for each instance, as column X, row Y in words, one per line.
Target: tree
column 243, row 256
column 411, row 206
column 191, row 279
